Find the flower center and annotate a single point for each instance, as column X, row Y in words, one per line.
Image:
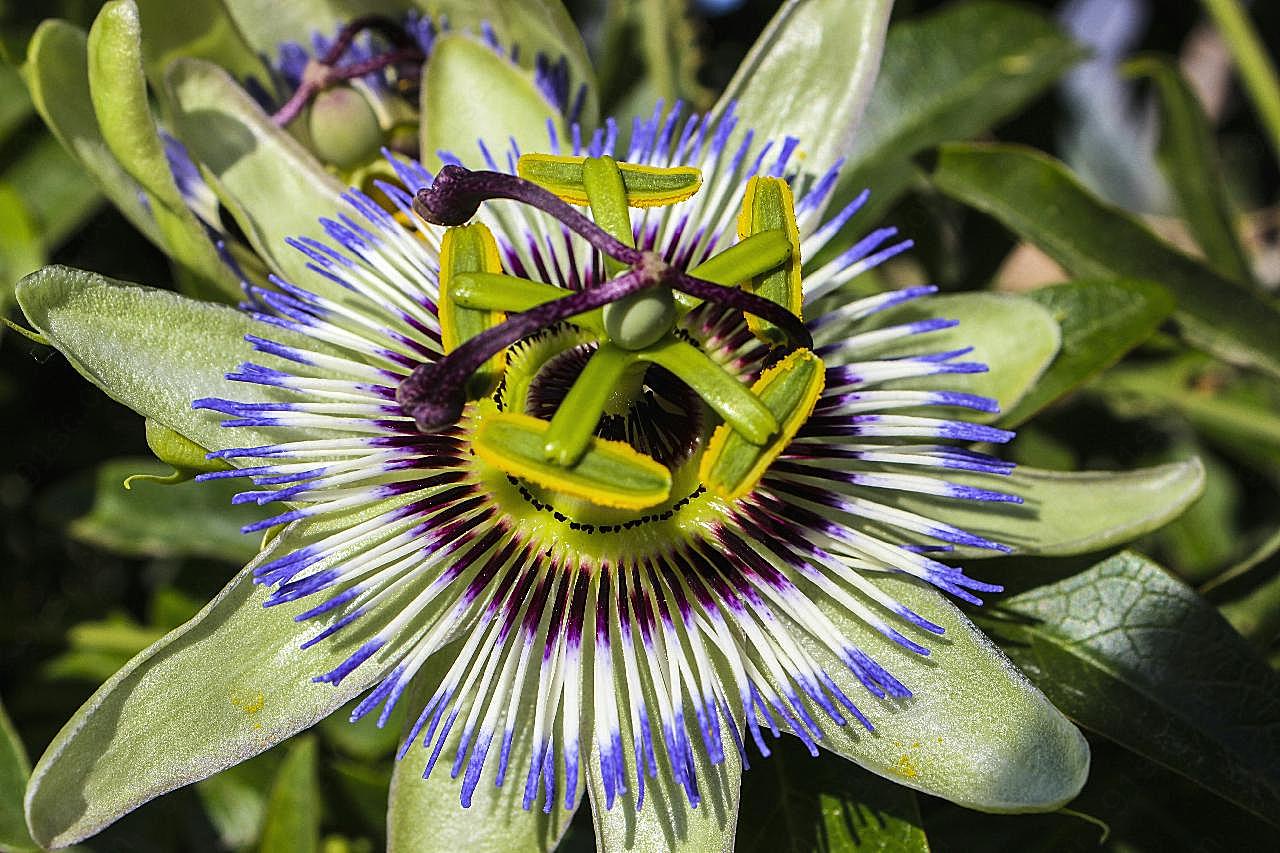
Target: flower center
column 613, row 420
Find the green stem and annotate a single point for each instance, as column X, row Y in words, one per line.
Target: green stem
column 1256, row 68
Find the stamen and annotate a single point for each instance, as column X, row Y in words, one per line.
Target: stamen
column 435, row 393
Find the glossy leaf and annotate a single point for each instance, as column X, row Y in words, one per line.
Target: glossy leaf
column 1066, row 513
column 948, row 75
column 426, row 815
column 810, row 74
column 1040, row 200
column 152, row 350
column 1100, row 321
column 14, row 769
column 225, row 686
column 454, row 119
column 272, row 185
column 1189, row 160
column 154, row 520
column 292, row 822
column 1014, row 336
column 1240, row 414
column 57, row 75
column 795, row 803
column 1135, row 655
column 118, row 89
column 976, row 732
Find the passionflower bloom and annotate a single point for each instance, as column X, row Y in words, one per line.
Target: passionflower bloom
column 585, row 457
column 577, row 444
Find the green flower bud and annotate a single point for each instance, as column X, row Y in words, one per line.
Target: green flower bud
column 344, row 128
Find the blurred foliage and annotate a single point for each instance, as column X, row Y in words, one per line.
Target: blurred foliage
column 1182, row 714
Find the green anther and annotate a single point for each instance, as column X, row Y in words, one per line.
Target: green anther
column 483, row 291
column 576, row 419
column 607, row 196
column 646, row 186
column 608, row 473
column 756, row 255
column 733, row 465
column 722, row 391
column 768, row 206
column 465, row 250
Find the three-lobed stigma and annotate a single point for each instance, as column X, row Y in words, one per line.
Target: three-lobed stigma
column 633, row 318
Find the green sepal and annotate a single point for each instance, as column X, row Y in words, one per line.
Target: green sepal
column 769, row 206
column 609, row 473
column 646, row 186
column 118, row 88
column 732, row 465
column 454, row 118
column 57, row 75
column 274, row 187
column 187, row 458
column 469, row 249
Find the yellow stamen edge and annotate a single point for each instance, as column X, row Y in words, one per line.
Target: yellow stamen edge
column 647, row 186
column 768, row 204
column 791, row 409
column 468, row 249
column 609, row 473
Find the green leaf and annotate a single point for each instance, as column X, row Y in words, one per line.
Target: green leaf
column 1135, row 655
column 794, row 803
column 57, row 75
column 1066, row 513
column 454, row 118
column 976, row 732
column 21, row 251
column 153, row 520
column 200, row 29
column 1256, row 616
column 1040, row 200
column 235, row 800
column 119, row 92
column 425, row 815
column 15, row 103
column 1100, row 321
column 54, row 190
column 14, row 769
column 273, row 186
column 810, row 74
column 1189, row 160
column 293, row 812
column 152, row 350
column 1014, row 336
column 1237, row 413
column 951, row 75
column 225, row 686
